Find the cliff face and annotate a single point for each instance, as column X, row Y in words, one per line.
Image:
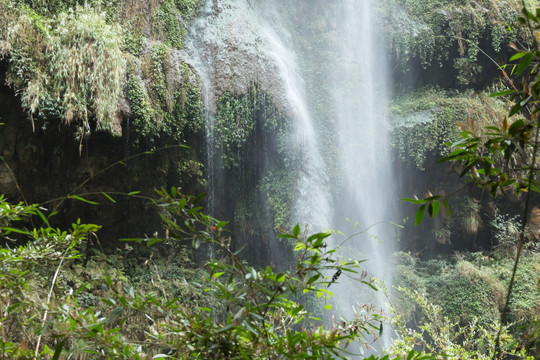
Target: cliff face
column 119, row 79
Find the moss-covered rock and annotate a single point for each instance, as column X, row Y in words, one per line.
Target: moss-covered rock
column 424, row 120
column 452, row 34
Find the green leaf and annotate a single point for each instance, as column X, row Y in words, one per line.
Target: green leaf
column 516, row 125
column 17, row 231
column 198, row 198
column 58, row 350
column 221, row 224
column 410, row 355
column 132, row 239
column 296, row 230
column 503, row 93
column 225, row 328
column 108, row 197
column 415, row 201
column 419, row 215
column 43, row 217
column 524, row 63
column 434, row 207
column 134, row 193
column 82, row 199
column 447, row 207
column 526, row 101
column 313, row 279
column 151, row 242
column 519, row 55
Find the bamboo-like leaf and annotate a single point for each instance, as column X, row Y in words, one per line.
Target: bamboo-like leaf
column 82, row 199
column 526, row 60
column 419, row 215
column 503, row 93
column 17, row 231
column 415, row 201
column 435, row 207
column 515, row 109
column 199, row 198
column 43, row 217
column 58, row 350
column 517, row 56
column 108, row 197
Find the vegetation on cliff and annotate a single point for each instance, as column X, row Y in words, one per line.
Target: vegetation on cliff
column 114, row 68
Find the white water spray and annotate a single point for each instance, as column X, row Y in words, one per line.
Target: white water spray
column 360, row 84
column 313, row 203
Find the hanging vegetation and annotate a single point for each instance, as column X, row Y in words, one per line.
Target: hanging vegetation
column 69, row 67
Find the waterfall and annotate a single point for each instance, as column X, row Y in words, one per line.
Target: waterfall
column 313, row 202
column 360, row 84
column 325, row 65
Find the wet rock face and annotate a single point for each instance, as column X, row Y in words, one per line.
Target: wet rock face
column 228, row 43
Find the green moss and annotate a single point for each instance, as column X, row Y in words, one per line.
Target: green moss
column 235, row 120
column 188, row 8
column 189, row 106
column 160, row 84
column 168, row 19
column 277, row 185
column 424, row 120
column 142, row 112
column 134, row 44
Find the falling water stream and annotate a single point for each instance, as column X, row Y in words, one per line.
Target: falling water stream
column 356, row 85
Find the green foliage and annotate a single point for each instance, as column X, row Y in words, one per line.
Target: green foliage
column 170, row 20
column 52, row 7
column 93, row 310
column 134, row 44
column 29, row 276
column 424, row 120
column 175, row 31
column 439, row 31
column 69, row 66
column 260, row 313
column 445, row 339
column 277, row 186
column 162, row 107
column 236, row 118
column 160, row 76
column 140, row 106
column 468, row 289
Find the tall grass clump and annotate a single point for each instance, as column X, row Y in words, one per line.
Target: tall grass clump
column 70, row 66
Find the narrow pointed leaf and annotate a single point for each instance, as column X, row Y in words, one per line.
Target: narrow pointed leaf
column 82, row 199
column 108, row 197
column 419, row 215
